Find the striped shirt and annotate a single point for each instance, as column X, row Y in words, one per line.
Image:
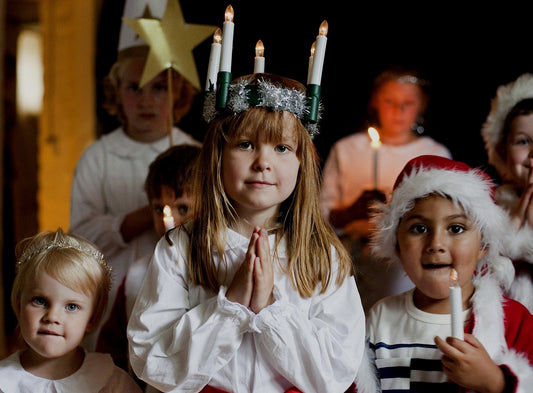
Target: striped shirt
column 402, row 338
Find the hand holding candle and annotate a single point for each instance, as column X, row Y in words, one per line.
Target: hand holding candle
column 456, row 306
column 168, row 219
column 214, row 61
column 259, row 60
column 375, row 143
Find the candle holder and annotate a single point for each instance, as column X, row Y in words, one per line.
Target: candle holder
column 223, row 82
column 313, row 95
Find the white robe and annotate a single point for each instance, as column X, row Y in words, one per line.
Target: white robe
column 183, row 337
column 98, row 373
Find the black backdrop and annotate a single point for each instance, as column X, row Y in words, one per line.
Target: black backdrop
column 465, row 54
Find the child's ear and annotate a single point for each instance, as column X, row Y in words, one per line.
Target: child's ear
column 483, row 249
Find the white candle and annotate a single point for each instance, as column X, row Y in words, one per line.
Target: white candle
column 168, row 219
column 214, row 61
column 320, row 52
column 456, row 306
column 375, row 143
column 227, row 40
column 310, row 67
column 259, row 60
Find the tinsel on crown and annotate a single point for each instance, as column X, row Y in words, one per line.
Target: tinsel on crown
column 243, row 95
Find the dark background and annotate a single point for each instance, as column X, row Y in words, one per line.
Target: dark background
column 465, row 54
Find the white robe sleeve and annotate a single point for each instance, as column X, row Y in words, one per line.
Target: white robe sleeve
column 88, row 215
column 171, row 344
column 319, row 350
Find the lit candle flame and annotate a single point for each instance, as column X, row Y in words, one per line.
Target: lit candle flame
column 228, row 15
column 374, row 137
column 313, row 48
column 168, row 219
column 454, row 278
column 217, row 37
column 259, row 49
column 323, row 29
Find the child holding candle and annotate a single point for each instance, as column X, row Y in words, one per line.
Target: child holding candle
column 440, row 217
column 508, row 135
column 59, row 294
column 255, row 294
column 168, row 183
column 108, row 203
column 398, row 101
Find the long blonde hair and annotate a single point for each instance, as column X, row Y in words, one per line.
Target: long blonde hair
column 310, row 257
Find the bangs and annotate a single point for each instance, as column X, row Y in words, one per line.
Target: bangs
column 266, row 126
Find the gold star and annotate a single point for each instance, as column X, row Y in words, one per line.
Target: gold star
column 171, row 42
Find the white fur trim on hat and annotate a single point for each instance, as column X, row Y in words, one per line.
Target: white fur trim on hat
column 471, row 189
column 507, row 96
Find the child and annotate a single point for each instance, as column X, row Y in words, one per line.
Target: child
column 108, row 204
column 398, row 102
column 169, row 182
column 508, row 135
column 255, row 293
column 440, row 217
column 59, row 294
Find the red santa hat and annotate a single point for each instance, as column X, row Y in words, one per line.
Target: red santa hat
column 470, row 188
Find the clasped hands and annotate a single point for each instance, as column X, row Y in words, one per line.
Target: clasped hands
column 253, row 282
column 523, row 212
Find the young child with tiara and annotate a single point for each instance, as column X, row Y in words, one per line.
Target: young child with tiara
column 59, row 295
column 441, row 217
column 508, row 136
column 256, row 293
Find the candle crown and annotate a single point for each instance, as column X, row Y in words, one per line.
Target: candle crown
column 312, row 102
column 261, row 92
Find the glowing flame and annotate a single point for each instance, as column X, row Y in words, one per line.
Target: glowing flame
column 228, row 15
column 374, row 137
column 323, row 29
column 454, row 278
column 313, row 48
column 259, row 49
column 217, row 37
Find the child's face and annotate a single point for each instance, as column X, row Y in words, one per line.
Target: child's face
column 259, row 176
column 181, row 208
column 434, row 237
column 146, row 108
column 520, row 149
column 398, row 105
column 53, row 318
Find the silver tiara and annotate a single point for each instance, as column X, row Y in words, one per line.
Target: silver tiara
column 31, row 252
column 243, row 95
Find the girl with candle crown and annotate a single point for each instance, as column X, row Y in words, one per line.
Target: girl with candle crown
column 256, row 293
column 441, row 216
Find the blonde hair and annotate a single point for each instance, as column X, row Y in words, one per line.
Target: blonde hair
column 310, row 258
column 72, row 260
column 183, row 91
